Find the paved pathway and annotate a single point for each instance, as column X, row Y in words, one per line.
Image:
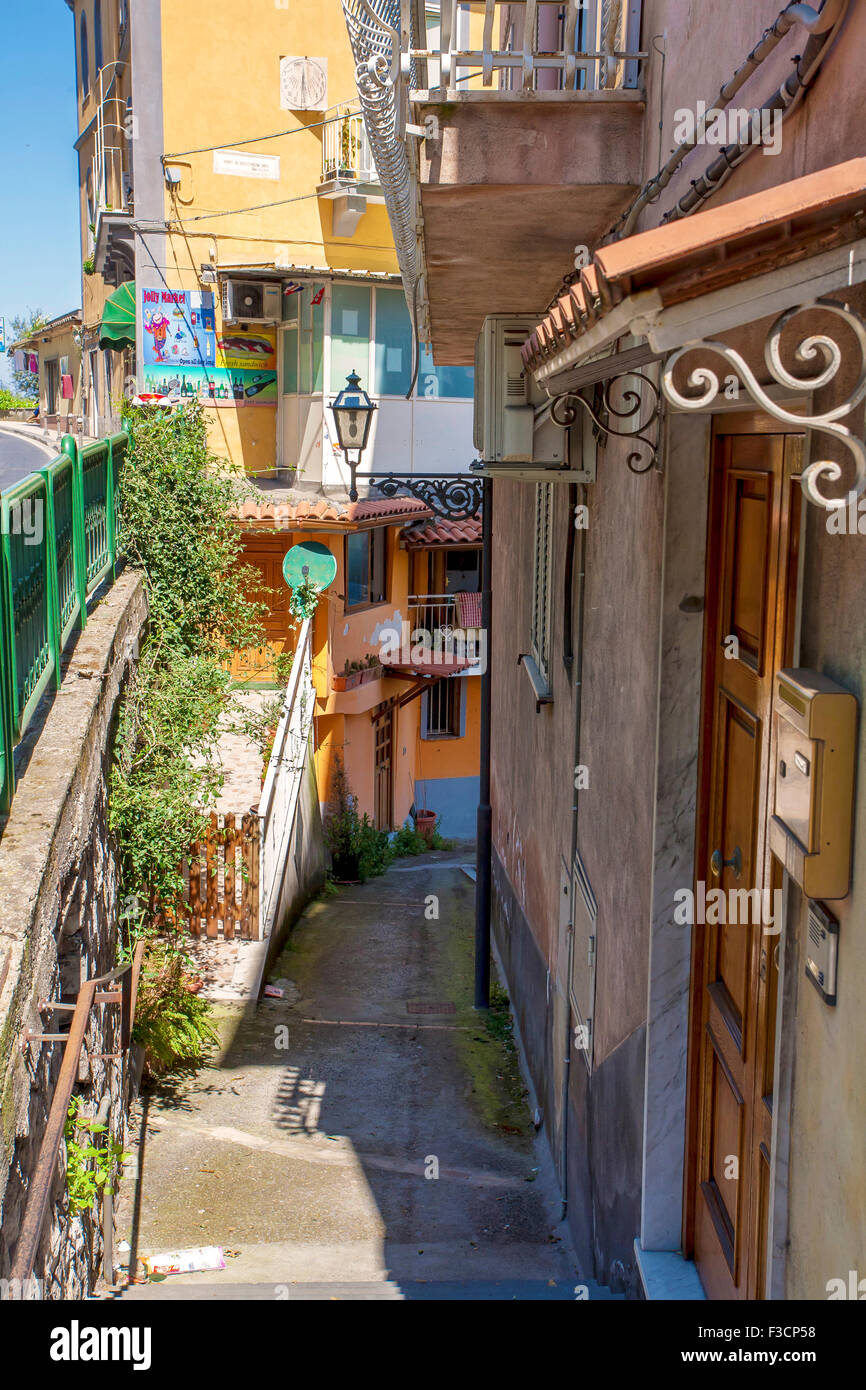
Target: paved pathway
column 304, row 1148
column 19, row 456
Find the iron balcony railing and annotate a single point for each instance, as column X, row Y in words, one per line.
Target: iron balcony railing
column 60, row 537
column 346, row 152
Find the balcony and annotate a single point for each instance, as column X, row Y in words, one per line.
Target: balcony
column 440, row 636
column 349, row 177
column 534, row 129
column 540, row 126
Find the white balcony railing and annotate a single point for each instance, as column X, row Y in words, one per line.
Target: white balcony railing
column 346, row 152
column 532, row 45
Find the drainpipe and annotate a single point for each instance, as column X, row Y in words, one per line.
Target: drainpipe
column 822, row 26
column 484, row 837
column 786, row 100
column 577, row 497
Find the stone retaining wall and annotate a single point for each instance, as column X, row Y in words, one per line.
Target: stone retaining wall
column 58, row 924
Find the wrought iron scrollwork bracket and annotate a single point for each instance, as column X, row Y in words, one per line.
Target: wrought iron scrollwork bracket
column 816, row 347
column 457, row 496
column 608, row 418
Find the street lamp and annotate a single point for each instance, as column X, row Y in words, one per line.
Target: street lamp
column 353, row 415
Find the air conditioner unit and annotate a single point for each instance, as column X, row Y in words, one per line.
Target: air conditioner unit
column 251, row 301
column 507, row 434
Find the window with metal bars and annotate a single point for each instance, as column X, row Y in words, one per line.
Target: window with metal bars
column 540, row 634
column 443, row 709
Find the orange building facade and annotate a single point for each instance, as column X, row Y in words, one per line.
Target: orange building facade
column 397, row 688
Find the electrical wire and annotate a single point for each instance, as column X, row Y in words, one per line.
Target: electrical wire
column 257, row 139
column 257, row 207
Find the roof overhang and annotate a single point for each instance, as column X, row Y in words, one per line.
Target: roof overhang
column 712, row 272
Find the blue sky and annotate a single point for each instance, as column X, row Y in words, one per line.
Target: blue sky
column 40, row 259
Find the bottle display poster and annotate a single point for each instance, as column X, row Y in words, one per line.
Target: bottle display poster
column 185, row 356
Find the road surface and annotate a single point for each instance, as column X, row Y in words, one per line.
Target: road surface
column 18, row 457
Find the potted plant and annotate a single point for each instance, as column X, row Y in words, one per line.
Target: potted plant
column 425, row 823
column 373, row 670
column 353, row 675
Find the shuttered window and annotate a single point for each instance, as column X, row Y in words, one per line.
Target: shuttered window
column 541, row 578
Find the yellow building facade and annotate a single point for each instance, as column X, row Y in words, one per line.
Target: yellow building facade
column 226, row 173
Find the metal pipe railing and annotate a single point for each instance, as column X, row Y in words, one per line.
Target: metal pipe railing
column 40, row 1183
column 60, row 536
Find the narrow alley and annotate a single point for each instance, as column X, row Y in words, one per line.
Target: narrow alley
column 308, row 1148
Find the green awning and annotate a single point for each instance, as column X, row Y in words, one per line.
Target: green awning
column 117, row 330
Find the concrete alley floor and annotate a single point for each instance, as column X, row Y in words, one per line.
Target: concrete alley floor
column 304, row 1147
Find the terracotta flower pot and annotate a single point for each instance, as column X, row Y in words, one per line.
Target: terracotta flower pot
column 425, row 823
column 339, row 683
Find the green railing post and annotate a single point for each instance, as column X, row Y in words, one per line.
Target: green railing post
column 47, row 568
column 109, row 509
column 7, row 739
column 53, row 585
column 69, row 447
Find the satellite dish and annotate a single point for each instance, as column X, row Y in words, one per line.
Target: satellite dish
column 309, row 562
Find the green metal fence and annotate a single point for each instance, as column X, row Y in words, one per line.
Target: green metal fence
column 60, row 537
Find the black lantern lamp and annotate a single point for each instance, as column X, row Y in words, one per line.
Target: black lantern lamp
column 353, row 415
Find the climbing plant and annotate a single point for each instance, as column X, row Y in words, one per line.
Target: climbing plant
column 89, row 1167
column 179, row 532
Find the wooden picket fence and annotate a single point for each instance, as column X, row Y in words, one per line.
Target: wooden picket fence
column 222, row 874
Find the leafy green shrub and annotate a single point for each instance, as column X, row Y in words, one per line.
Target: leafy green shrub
column 171, row 1023
column 88, row 1167
column 10, row 401
column 375, row 850
column 165, row 776
column 177, row 500
column 355, row 843
column 438, row 841
column 407, row 841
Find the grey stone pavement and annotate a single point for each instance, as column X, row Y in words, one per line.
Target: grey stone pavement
column 302, row 1148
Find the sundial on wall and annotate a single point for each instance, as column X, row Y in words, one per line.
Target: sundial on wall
column 303, row 84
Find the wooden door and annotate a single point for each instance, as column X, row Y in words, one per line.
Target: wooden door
column 751, row 591
column 383, row 778
column 258, row 665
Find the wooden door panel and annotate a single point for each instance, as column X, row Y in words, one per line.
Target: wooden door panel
column 750, row 506
column 750, row 595
column 738, row 770
column 259, row 664
column 383, row 737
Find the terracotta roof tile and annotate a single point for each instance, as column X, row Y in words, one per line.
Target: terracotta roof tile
column 442, row 532
column 714, row 248
column 321, row 510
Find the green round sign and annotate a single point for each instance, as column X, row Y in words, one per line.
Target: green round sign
column 309, row 562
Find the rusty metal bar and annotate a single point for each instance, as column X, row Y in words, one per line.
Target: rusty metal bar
column 40, row 1184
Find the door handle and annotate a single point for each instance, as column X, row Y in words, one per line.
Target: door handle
column 717, row 863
